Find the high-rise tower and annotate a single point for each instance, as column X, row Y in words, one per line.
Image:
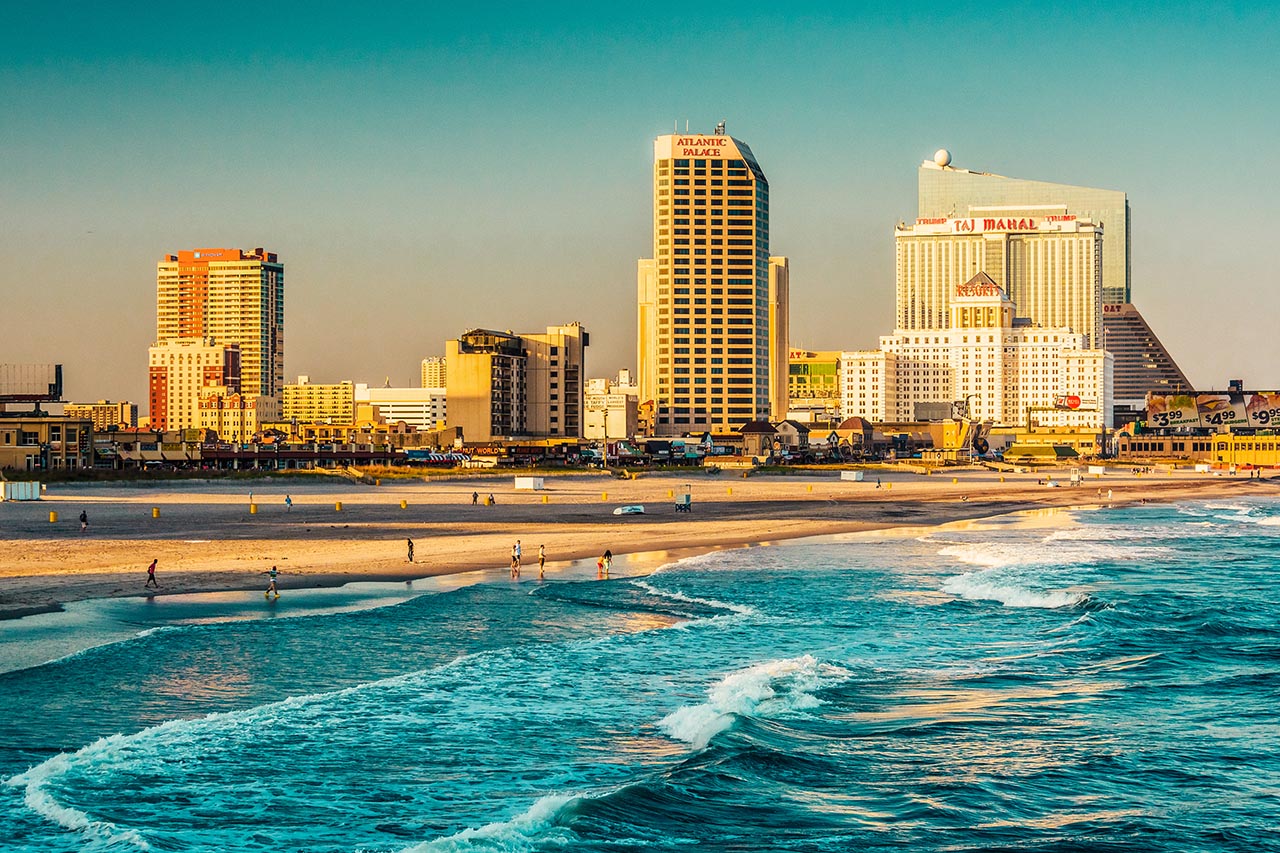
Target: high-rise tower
column 1142, row 364
column 947, row 192
column 709, row 301
column 231, row 297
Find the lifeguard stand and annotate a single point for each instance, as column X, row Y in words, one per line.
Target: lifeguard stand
column 684, row 501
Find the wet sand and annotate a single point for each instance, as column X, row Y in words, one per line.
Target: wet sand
column 206, row 538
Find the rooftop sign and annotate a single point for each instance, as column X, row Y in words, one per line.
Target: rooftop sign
column 681, row 146
column 997, row 224
column 979, row 289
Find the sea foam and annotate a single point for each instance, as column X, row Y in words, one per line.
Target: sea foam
column 987, row 586
column 767, row 689
column 532, row 829
column 38, row 798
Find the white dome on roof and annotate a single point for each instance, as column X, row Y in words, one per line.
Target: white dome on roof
column 942, row 157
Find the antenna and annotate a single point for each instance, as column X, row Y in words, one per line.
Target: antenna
column 686, row 125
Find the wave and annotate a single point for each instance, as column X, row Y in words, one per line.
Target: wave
column 766, row 689
column 40, row 800
column 531, row 829
column 982, row 586
column 676, row 595
column 157, row 742
column 999, row 555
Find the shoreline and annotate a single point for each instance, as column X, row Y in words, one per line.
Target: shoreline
column 457, row 538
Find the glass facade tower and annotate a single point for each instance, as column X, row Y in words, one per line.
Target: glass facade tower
column 947, row 192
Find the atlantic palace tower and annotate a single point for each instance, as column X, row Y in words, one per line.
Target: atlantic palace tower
column 712, row 301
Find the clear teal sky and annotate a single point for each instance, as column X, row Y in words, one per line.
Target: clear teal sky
column 422, row 169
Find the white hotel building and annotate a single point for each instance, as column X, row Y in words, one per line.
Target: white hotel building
column 421, row 408
column 1048, row 261
column 1007, row 369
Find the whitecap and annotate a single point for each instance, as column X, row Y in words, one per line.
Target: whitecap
column 529, row 830
column 983, row 586
column 676, row 595
column 772, row 688
column 40, row 799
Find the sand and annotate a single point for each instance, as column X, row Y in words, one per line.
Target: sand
column 206, row 538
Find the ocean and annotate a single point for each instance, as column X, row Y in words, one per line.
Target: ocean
column 1094, row 680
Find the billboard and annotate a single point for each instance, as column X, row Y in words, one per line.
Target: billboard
column 1221, row 410
column 1262, row 409
column 30, row 383
column 1254, row 409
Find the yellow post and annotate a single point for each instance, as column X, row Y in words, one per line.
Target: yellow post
column 671, row 493
column 253, row 509
column 378, row 482
column 53, row 517
column 955, row 479
column 888, row 485
column 546, row 499
column 604, row 496
column 811, row 488
column 731, row 490
column 337, row 506
column 155, row 512
column 404, row 504
column 1002, row 479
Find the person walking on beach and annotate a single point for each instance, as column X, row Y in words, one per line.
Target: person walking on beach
column 271, row 587
column 84, row 521
column 151, row 575
column 542, row 560
column 288, row 503
column 603, row 564
column 491, row 501
column 410, row 550
column 475, row 498
column 517, row 553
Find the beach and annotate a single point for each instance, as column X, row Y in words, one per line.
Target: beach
column 206, row 538
column 920, row 685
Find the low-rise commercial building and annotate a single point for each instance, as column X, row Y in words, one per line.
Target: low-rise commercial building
column 813, row 386
column 104, row 413
column 34, row 442
column 308, row 402
column 610, row 417
column 421, row 408
column 235, row 417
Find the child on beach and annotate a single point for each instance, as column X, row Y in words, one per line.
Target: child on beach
column 542, row 560
column 151, row 575
column 271, row 587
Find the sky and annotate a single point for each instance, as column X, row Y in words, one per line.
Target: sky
column 422, row 169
